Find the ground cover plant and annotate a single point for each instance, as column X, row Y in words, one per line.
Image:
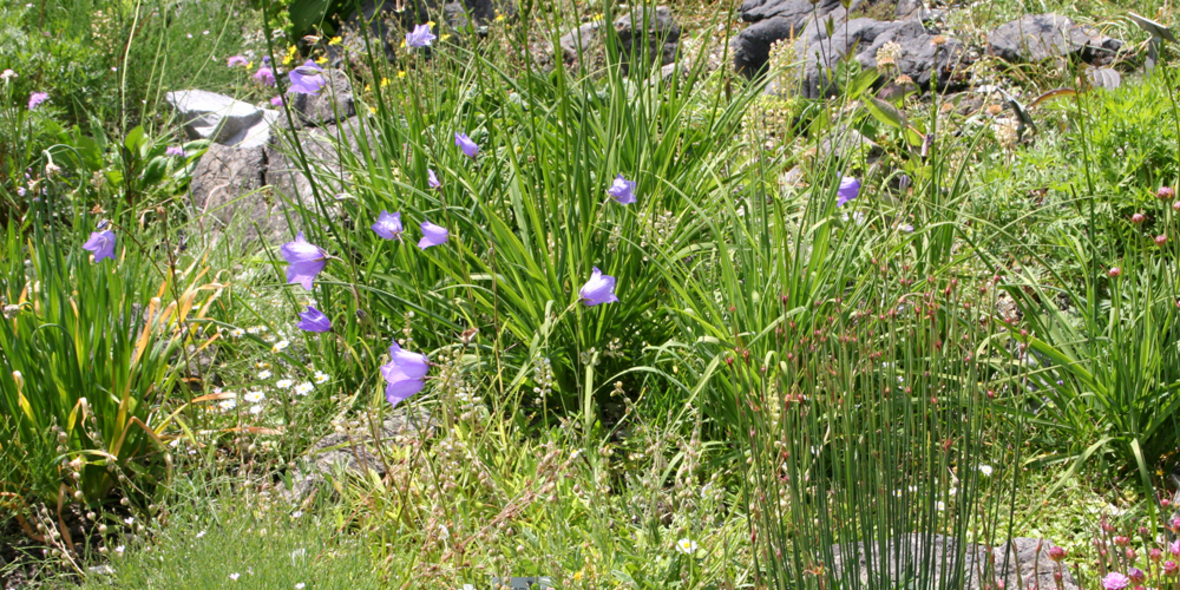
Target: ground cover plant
column 578, row 317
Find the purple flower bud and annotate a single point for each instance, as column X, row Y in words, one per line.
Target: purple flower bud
column 420, row 36
column 849, row 189
column 313, row 320
column 1136, row 575
column 276, row 101
column 404, row 374
column 599, row 289
column 1056, row 553
column 1170, row 567
column 622, row 190
column 174, row 150
column 307, row 78
column 389, row 225
column 469, row 148
column 432, row 179
column 36, row 98
column 1137, row 218
column 1114, row 272
column 432, row 235
column 237, row 60
column 1165, row 193
column 305, row 261
column 101, row 244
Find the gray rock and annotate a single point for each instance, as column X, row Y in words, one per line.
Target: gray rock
column 221, row 119
column 357, row 453
column 903, row 558
column 794, row 11
column 388, row 21
column 226, row 185
column 1106, row 78
column 332, row 103
column 326, row 149
column 919, row 57
column 775, row 20
column 844, row 143
column 1037, row 37
column 653, row 34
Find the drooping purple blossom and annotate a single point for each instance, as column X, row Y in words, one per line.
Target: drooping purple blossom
column 849, row 189
column 622, row 190
column 265, row 76
column 432, row 179
column 389, row 225
column 305, row 260
column 470, row 149
column 101, row 244
column 175, row 150
column 307, row 78
column 276, row 101
column 237, row 60
column 432, row 235
column 313, row 320
column 404, row 374
column 36, row 98
column 420, row 36
column 599, row 289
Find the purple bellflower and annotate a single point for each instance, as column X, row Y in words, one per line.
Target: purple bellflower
column 101, row 244
column 432, row 235
column 307, row 78
column 599, row 289
column 432, row 179
column 313, row 320
column 305, row 261
column 622, row 190
column 420, row 36
column 469, row 148
column 389, row 225
column 404, row 375
column 849, row 189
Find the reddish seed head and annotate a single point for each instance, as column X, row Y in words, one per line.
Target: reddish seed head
column 1176, row 206
column 1165, row 502
column 1155, row 555
column 1170, row 567
column 1165, row 192
column 1161, row 239
column 1137, row 218
column 1131, row 555
column 1114, row 271
column 1122, row 541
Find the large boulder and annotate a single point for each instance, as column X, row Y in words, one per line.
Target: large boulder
column 221, row 119
column 229, row 183
column 333, row 102
column 641, row 32
column 327, row 150
column 1038, row 37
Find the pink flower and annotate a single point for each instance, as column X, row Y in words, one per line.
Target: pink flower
column 1115, row 581
column 237, row 60
column 36, row 98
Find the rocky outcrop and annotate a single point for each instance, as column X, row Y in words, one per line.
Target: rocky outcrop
column 389, row 20
column 1038, row 37
column 333, row 102
column 221, row 119
column 643, row 32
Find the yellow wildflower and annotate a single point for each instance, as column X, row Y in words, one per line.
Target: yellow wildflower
column 499, row 18
column 401, row 74
column 384, row 82
column 322, row 60
column 334, row 41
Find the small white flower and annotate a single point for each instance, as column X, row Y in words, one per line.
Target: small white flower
column 321, row 377
column 200, row 534
column 444, row 532
column 986, row 470
column 299, row 586
column 255, row 329
column 254, row 397
column 280, row 346
column 227, row 404
column 120, row 549
column 940, row 505
column 297, row 514
column 237, row 332
column 284, row 383
column 189, row 35
column 234, row 576
column 8, row 75
column 686, row 546
column 255, row 410
column 205, row 32
column 264, row 375
column 129, row 520
column 303, row 388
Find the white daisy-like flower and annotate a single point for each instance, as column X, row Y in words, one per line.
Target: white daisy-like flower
column 200, row 534
column 254, row 397
column 237, row 332
column 321, row 377
column 264, row 375
column 234, row 576
column 297, row 514
column 255, row 329
column 129, row 520
column 940, row 505
column 284, row 383
column 227, row 404
column 303, row 388
column 120, row 549
column 300, row 586
column 255, row 410
column 686, row 546
column 986, row 470
column 280, row 346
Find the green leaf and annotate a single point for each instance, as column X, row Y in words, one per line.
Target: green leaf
column 885, row 112
column 306, row 14
column 156, row 169
column 135, row 138
column 861, row 83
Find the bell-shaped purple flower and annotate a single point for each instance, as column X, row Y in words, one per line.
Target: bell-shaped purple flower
column 420, row 36
column 599, row 289
column 305, row 261
column 313, row 320
column 432, row 235
column 265, row 76
column 622, row 190
column 276, row 101
column 404, row 374
column 432, row 179
column 307, row 78
column 849, row 189
column 469, row 148
column 101, row 244
column 237, row 60
column 389, row 225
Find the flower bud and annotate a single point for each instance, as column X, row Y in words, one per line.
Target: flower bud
column 1121, row 541
column 1137, row 218
column 1161, row 239
column 1056, row 553
column 1136, row 575
column 1114, row 272
column 1170, row 567
column 1165, row 193
column 1155, row 555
